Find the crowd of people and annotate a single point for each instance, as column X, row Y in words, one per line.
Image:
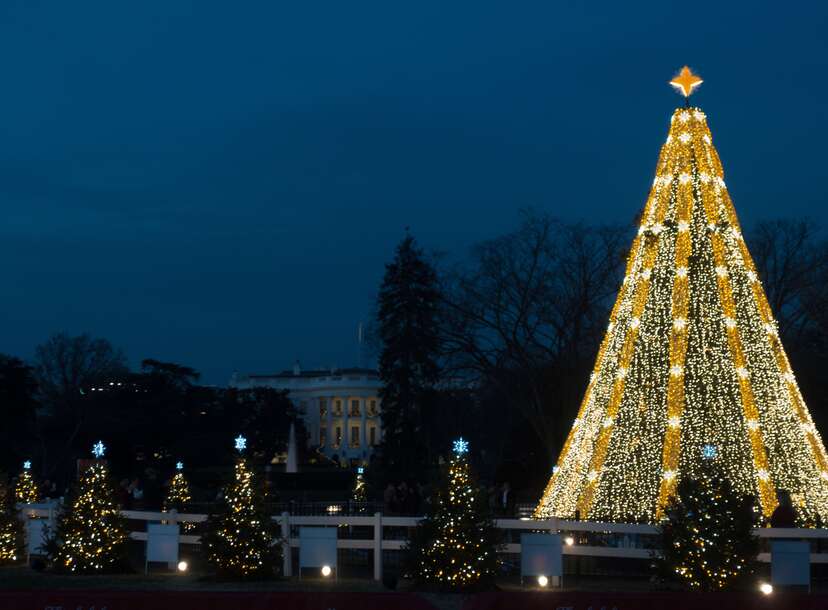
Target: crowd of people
column 147, row 492
column 403, row 498
column 501, row 499
column 142, row 493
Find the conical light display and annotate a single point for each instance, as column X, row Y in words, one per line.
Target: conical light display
column 691, row 366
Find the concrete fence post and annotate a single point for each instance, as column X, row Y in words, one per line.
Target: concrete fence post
column 287, row 563
column 377, row 546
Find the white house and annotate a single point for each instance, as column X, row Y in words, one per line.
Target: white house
column 341, row 407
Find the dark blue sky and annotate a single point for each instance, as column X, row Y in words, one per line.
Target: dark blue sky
column 220, row 184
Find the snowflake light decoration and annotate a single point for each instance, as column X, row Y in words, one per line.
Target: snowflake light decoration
column 241, row 443
column 27, row 465
column 709, row 452
column 179, row 465
column 460, row 446
column 98, row 449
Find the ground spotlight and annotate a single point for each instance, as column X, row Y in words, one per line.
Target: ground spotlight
column 326, row 571
column 182, row 566
column 766, row 588
column 569, row 541
column 543, row 580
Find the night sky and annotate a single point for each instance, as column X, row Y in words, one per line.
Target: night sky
column 220, row 184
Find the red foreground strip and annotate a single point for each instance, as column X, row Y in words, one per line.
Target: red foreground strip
column 202, row 600
column 551, row 600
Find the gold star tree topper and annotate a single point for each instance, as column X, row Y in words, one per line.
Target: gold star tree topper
column 686, row 81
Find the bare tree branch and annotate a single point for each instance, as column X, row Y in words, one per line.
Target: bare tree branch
column 793, row 264
column 529, row 310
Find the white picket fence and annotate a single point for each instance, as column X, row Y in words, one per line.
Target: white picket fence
column 620, row 540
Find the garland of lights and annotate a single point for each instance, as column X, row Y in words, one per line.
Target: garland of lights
column 691, row 360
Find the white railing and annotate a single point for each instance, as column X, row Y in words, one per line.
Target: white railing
column 627, row 534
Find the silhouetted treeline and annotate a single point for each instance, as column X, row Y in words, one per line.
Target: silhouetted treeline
column 79, row 390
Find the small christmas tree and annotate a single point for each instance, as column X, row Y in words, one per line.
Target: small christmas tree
column 178, row 495
column 707, row 537
column 455, row 546
column 11, row 529
column 359, row 495
column 25, row 491
column 239, row 538
column 91, row 534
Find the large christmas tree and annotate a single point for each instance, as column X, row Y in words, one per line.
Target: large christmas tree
column 91, row 534
column 240, row 537
column 455, row 546
column 691, row 361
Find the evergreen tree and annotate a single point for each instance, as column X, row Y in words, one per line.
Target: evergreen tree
column 407, row 316
column 707, row 539
column 91, row 534
column 455, row 546
column 18, row 391
column 11, row 529
column 239, row 538
column 178, row 495
column 25, row 491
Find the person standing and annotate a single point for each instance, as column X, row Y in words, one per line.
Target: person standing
column 389, row 498
column 784, row 515
column 505, row 498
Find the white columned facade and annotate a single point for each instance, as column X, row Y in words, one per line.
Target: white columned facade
column 363, row 423
column 329, row 435
column 346, row 434
column 344, row 385
column 333, row 444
